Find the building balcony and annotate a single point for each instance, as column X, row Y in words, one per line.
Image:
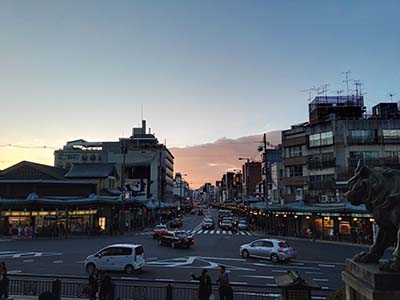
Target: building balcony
column 295, row 181
column 288, row 142
column 295, row 161
column 313, row 165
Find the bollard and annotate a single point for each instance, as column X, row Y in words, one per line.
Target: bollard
column 169, row 291
column 56, row 289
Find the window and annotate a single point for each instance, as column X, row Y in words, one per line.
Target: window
column 295, row 151
column 139, row 250
column 294, row 171
column 267, row 244
column 257, row 244
column 391, row 134
column 321, row 139
column 109, row 252
column 125, row 251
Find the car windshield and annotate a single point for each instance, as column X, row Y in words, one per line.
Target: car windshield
column 181, row 233
column 243, row 222
column 283, row 245
column 160, row 227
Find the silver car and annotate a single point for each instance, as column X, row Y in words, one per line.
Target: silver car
column 275, row 250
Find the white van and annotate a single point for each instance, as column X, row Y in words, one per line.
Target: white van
column 119, row 257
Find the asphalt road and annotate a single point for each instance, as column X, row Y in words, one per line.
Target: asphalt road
column 322, row 262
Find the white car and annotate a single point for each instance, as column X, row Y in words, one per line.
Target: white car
column 119, row 257
column 275, row 250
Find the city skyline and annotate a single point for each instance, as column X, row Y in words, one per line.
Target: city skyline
column 202, row 72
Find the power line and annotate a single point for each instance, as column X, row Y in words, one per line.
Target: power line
column 28, row 147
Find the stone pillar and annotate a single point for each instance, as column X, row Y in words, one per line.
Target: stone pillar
column 367, row 282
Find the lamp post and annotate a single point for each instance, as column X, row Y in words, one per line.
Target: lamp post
column 247, row 175
column 124, row 150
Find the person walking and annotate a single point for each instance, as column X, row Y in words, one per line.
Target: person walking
column 225, row 289
column 205, row 288
column 106, row 287
column 93, row 285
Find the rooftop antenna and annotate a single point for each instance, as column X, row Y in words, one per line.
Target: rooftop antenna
column 358, row 85
column 309, row 91
column 347, row 80
column 391, row 95
column 323, row 90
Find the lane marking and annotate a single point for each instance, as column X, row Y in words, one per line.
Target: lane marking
column 280, row 271
column 205, row 232
column 286, row 267
column 58, row 262
column 327, row 266
column 218, row 232
column 238, row 282
column 258, row 276
column 28, row 260
column 313, row 273
column 320, row 279
column 212, row 232
column 223, row 232
column 199, row 231
column 14, row 271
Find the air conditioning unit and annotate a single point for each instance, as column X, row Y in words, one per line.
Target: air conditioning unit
column 324, row 199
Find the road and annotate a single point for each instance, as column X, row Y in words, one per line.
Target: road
column 322, row 262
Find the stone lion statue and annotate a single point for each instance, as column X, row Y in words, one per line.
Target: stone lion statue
column 379, row 190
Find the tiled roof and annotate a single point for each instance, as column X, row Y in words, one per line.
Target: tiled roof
column 92, row 170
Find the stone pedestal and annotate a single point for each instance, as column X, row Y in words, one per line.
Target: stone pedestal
column 367, row 282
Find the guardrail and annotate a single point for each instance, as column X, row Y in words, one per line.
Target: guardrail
column 76, row 287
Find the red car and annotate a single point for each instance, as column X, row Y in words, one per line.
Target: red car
column 159, row 230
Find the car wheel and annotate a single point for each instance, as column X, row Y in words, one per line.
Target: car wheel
column 90, row 267
column 245, row 254
column 173, row 245
column 129, row 269
column 274, row 258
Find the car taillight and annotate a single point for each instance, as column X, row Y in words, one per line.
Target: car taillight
column 281, row 250
column 193, row 241
column 179, row 241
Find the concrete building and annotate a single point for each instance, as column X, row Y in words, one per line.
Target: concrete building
column 321, row 155
column 275, row 189
column 251, row 177
column 144, row 166
column 181, row 187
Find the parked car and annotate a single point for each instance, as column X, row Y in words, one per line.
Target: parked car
column 243, row 225
column 275, row 250
column 176, row 239
column 208, row 224
column 176, row 223
column 226, row 225
column 119, row 257
column 159, row 230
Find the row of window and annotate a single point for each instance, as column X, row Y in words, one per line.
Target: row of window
column 321, row 139
column 84, row 157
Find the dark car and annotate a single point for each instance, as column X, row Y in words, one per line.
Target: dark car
column 208, row 224
column 176, row 223
column 201, row 212
column 176, row 239
column 226, row 225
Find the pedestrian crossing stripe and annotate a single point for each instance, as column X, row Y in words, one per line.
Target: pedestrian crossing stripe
column 244, row 233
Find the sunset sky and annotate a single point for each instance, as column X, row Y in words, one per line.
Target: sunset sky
column 203, row 70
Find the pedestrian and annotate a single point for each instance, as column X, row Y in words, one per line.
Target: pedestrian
column 106, row 287
column 93, row 286
column 205, row 289
column 225, row 289
column 4, row 285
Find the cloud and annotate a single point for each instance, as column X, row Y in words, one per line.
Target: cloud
column 207, row 162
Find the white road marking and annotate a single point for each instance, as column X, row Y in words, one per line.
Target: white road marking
column 242, row 233
column 130, row 278
column 212, row 231
column 238, row 282
column 151, row 258
column 28, row 260
column 271, row 284
column 199, row 231
column 325, row 288
column 258, row 276
column 297, row 264
column 280, row 271
column 327, row 266
column 320, row 279
column 223, row 232
column 58, row 262
column 286, row 267
column 205, row 232
column 14, row 271
column 218, row 232
column 230, row 232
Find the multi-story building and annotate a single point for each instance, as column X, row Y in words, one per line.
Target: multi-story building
column 268, row 157
column 144, row 166
column 275, row 187
column 320, row 156
column 181, row 187
column 251, row 177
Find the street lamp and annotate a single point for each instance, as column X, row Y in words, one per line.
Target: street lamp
column 247, row 174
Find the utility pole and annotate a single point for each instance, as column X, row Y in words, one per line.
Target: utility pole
column 124, row 151
column 265, row 167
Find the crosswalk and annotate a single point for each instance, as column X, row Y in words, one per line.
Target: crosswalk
column 209, row 232
column 219, row 232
